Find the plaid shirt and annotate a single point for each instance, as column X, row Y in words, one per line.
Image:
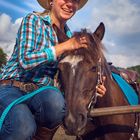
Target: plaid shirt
column 33, row 58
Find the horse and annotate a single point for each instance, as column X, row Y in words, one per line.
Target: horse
column 80, row 71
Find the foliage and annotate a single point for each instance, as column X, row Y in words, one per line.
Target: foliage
column 3, row 58
column 136, row 68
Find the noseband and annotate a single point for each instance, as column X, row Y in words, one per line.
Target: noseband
column 93, row 99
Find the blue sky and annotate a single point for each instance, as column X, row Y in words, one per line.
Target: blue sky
column 121, row 19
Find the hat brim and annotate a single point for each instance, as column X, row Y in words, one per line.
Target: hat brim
column 82, row 3
column 46, row 4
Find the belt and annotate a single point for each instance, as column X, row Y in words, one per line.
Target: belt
column 25, row 87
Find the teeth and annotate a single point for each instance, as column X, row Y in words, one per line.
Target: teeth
column 67, row 10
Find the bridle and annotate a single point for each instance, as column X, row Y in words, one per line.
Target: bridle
column 93, row 99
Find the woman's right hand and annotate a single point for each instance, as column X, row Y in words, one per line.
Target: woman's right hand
column 71, row 44
column 77, row 42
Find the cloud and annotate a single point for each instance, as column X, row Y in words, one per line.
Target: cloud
column 121, row 17
column 123, row 61
column 4, row 24
column 121, row 20
column 8, row 32
column 120, row 56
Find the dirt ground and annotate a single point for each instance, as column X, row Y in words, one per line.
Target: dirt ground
column 60, row 135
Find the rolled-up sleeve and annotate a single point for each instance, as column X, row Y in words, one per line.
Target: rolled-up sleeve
column 29, row 56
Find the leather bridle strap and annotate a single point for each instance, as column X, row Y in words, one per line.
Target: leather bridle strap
column 99, row 81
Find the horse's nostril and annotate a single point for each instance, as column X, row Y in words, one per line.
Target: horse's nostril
column 81, row 123
column 75, row 125
column 82, row 119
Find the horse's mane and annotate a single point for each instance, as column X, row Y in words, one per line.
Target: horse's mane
column 93, row 52
column 90, row 54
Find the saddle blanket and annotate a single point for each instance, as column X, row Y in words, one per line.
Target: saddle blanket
column 128, row 91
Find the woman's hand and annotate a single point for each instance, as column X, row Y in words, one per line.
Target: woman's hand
column 71, row 44
column 101, row 90
column 77, row 42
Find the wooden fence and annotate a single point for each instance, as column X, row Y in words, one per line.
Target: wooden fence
column 114, row 110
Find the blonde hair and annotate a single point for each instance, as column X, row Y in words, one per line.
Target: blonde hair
column 45, row 12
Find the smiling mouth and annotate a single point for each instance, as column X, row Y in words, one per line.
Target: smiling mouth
column 67, row 11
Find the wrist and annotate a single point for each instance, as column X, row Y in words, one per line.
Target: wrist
column 60, row 49
column 63, row 47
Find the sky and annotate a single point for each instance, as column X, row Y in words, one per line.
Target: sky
column 121, row 19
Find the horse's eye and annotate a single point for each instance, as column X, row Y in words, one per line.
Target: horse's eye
column 93, row 69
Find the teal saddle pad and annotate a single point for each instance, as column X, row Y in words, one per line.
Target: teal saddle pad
column 128, row 91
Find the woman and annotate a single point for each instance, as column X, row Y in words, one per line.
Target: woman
column 32, row 65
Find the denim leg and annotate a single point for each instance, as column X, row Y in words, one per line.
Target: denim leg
column 49, row 108
column 19, row 124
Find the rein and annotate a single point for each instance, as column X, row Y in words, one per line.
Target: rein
column 99, row 81
column 136, row 131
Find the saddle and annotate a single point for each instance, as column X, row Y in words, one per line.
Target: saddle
column 128, row 75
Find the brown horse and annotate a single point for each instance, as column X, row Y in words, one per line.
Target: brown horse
column 80, row 72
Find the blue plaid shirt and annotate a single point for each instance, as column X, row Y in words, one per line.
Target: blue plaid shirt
column 33, row 58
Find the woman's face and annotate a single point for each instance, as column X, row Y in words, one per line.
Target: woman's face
column 64, row 9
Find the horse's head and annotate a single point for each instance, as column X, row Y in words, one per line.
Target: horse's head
column 78, row 77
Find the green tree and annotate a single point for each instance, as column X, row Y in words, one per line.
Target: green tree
column 137, row 69
column 3, row 57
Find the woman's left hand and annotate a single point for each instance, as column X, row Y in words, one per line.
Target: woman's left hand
column 101, row 89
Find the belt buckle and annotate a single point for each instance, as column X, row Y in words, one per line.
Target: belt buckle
column 27, row 87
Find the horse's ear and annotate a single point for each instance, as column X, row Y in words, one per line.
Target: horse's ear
column 100, row 31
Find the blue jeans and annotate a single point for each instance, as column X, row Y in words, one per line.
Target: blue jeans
column 46, row 109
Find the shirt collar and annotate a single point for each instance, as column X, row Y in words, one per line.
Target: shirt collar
column 67, row 31
column 48, row 21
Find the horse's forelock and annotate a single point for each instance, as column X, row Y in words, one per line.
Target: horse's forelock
column 90, row 54
column 95, row 48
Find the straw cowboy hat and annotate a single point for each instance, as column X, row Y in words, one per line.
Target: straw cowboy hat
column 46, row 3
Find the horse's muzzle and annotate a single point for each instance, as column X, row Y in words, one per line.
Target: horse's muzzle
column 75, row 125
